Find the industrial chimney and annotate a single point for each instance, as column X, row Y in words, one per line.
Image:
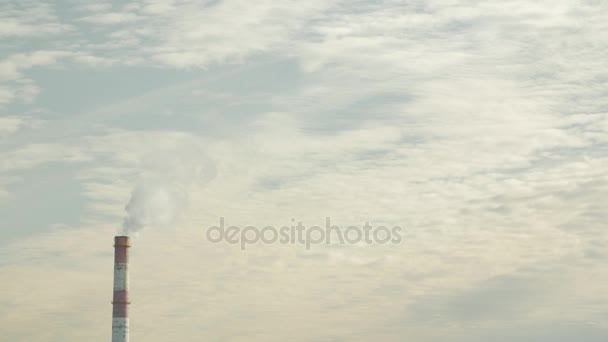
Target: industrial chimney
column 120, row 313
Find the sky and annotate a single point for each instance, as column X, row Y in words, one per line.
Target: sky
column 479, row 127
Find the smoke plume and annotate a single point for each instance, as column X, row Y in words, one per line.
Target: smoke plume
column 165, row 182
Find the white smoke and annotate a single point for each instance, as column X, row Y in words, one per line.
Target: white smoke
column 164, row 187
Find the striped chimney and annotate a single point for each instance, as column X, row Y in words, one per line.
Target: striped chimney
column 120, row 313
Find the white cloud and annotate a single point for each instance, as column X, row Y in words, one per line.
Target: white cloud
column 13, row 123
column 196, row 34
column 29, row 19
column 14, row 86
column 111, row 18
column 478, row 127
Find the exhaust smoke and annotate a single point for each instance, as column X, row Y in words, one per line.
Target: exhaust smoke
column 164, row 187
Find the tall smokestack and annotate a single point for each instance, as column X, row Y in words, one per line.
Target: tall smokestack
column 120, row 313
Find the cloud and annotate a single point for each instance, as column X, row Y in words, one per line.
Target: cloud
column 11, row 124
column 195, row 34
column 29, row 19
column 110, row 18
column 14, row 86
column 480, row 128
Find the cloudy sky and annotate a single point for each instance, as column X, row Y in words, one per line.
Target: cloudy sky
column 480, row 127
